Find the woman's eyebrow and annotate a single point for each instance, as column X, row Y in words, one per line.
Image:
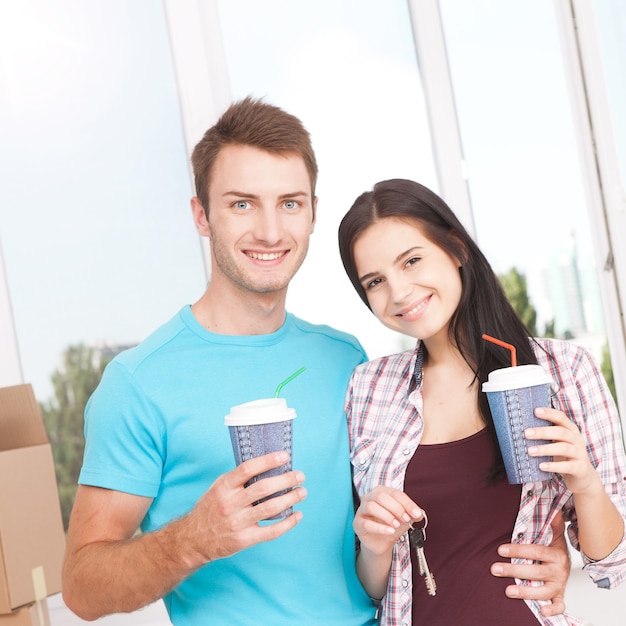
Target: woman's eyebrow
column 411, row 250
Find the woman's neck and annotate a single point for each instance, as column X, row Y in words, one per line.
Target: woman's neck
column 450, row 396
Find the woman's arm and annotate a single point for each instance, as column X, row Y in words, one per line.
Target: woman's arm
column 383, row 516
column 600, row 524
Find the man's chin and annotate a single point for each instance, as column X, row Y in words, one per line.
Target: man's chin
column 266, row 287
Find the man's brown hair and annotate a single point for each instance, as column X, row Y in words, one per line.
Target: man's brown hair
column 251, row 122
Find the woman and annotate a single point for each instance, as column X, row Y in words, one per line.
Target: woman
column 423, row 439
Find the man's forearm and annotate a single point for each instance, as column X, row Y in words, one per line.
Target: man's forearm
column 123, row 576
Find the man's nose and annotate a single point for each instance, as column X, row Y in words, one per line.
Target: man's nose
column 268, row 227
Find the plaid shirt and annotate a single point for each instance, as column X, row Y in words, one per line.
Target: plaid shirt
column 384, row 409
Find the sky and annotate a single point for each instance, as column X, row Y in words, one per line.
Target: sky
column 95, row 226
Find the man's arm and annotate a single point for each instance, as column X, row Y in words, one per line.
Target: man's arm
column 550, row 564
column 107, row 569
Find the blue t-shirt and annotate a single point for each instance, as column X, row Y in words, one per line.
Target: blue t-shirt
column 155, row 428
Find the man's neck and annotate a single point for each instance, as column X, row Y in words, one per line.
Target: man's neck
column 233, row 313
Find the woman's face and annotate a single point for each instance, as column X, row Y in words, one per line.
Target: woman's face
column 413, row 286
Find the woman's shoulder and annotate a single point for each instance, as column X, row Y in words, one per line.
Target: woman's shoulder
column 566, row 360
column 560, row 350
column 390, row 363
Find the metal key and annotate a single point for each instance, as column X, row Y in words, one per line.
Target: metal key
column 417, row 538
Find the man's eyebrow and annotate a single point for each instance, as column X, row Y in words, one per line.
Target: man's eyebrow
column 240, row 194
column 294, row 194
column 247, row 194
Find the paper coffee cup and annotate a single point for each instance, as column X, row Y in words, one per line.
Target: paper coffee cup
column 260, row 427
column 513, row 394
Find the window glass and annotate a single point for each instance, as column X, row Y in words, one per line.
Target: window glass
column 98, row 240
column 611, row 23
column 348, row 70
column 524, row 172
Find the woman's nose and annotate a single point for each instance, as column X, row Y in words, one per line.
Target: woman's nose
column 400, row 291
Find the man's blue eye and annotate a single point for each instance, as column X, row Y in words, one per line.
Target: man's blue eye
column 242, row 204
column 290, row 204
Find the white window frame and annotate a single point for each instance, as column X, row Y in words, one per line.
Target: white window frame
column 10, row 364
column 201, row 74
column 606, row 197
column 432, row 60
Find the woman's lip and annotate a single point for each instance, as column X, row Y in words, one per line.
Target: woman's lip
column 414, row 310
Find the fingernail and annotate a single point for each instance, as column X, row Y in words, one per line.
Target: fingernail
column 532, row 450
column 539, row 412
column 512, row 591
column 417, row 513
column 497, row 569
column 406, row 517
column 300, row 477
column 282, row 456
column 390, row 530
column 503, row 551
column 396, row 523
column 529, row 432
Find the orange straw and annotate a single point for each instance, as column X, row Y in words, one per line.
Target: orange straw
column 508, row 346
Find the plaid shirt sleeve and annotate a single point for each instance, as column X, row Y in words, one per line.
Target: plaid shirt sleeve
column 583, row 395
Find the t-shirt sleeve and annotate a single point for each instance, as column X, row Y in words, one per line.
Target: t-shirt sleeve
column 124, row 437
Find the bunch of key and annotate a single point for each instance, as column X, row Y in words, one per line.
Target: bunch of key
column 417, row 538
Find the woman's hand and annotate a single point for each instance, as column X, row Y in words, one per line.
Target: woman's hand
column 568, row 449
column 600, row 524
column 382, row 517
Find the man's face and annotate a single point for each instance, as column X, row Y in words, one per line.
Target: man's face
column 261, row 215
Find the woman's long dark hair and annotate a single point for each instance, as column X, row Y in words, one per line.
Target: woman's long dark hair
column 483, row 307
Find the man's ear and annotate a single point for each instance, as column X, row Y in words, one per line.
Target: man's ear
column 200, row 217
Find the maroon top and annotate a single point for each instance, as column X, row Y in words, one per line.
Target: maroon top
column 467, row 521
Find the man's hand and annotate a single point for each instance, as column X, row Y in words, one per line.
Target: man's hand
column 551, row 565
column 224, row 520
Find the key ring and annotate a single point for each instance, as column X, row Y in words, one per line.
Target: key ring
column 423, row 528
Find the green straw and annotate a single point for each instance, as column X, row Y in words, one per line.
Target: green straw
column 288, row 380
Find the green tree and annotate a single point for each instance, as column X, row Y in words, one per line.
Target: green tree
column 74, row 381
column 515, row 288
column 549, row 331
column 607, row 370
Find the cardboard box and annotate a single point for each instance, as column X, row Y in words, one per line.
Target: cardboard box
column 32, row 615
column 32, row 539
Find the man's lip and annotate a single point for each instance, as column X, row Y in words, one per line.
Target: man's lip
column 266, row 255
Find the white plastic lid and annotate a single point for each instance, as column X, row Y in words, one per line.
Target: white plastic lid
column 266, row 411
column 516, row 378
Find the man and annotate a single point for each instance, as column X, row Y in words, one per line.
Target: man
column 158, row 456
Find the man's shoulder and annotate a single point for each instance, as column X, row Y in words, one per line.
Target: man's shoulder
column 323, row 332
column 158, row 340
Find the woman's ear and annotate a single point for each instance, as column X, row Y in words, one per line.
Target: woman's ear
column 459, row 244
